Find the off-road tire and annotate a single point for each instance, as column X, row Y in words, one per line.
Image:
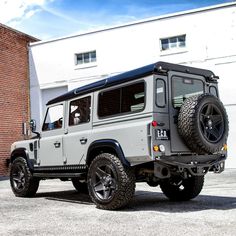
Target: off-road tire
column 110, row 184
column 80, row 186
column 23, row 184
column 177, row 189
column 193, row 122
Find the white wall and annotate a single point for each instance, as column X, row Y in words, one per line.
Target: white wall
column 210, row 44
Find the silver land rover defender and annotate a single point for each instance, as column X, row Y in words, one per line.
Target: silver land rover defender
column 162, row 124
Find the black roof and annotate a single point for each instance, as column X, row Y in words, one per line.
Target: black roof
column 159, row 67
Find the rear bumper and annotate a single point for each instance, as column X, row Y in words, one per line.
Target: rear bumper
column 195, row 165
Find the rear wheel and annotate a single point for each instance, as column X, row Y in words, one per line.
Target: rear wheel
column 110, row 184
column 179, row 189
column 23, row 184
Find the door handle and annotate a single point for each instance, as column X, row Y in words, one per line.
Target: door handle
column 83, row 140
column 57, row 144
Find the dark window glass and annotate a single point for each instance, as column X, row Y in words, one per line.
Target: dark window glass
column 54, row 118
column 109, row 103
column 93, row 56
column 213, row 91
column 164, row 44
column 181, row 41
column 132, row 98
column 127, row 99
column 86, row 57
column 173, row 42
column 160, row 93
column 183, row 88
column 79, row 58
column 80, row 111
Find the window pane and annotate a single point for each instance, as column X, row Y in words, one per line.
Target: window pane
column 86, row 58
column 160, row 93
column 54, row 118
column 133, row 98
column 181, row 41
column 183, row 88
column 93, row 56
column 173, row 42
column 80, row 111
column 164, row 44
column 109, row 103
column 213, row 91
column 79, row 58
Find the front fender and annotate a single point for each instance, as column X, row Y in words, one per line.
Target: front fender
column 22, row 152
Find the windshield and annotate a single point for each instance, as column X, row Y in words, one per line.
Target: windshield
column 183, row 88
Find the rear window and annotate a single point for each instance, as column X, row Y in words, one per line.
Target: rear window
column 127, row 99
column 183, row 88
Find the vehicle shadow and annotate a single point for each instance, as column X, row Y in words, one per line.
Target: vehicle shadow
column 150, row 201
column 67, row 196
column 156, row 201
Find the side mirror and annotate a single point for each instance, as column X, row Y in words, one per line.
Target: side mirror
column 32, row 125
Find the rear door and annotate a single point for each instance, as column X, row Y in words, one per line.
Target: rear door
column 181, row 86
column 78, row 129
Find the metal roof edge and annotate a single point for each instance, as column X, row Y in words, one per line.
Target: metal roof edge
column 143, row 21
column 158, row 67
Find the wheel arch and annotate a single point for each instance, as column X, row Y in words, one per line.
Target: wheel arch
column 22, row 152
column 105, row 145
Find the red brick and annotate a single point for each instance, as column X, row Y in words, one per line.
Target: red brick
column 14, row 89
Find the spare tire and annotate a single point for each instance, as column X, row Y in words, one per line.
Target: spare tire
column 203, row 123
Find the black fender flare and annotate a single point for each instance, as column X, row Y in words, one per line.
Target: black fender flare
column 22, row 152
column 107, row 143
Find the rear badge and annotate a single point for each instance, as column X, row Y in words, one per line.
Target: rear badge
column 162, row 134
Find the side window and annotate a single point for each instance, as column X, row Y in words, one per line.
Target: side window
column 109, row 103
column 132, row 98
column 213, row 91
column 160, row 93
column 54, row 118
column 127, row 99
column 79, row 112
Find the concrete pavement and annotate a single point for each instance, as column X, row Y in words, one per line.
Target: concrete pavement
column 58, row 209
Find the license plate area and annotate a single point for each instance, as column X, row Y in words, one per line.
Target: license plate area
column 162, row 134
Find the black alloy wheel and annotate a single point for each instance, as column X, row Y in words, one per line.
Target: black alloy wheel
column 22, row 182
column 110, row 184
column 212, row 123
column 18, row 177
column 104, row 182
column 203, row 124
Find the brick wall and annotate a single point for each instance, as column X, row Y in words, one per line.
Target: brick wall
column 14, row 90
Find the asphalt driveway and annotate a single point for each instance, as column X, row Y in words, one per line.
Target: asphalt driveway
column 58, row 209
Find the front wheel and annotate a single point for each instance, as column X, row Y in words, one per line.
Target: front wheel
column 110, row 184
column 23, row 184
column 178, row 189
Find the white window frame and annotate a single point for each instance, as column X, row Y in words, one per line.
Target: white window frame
column 87, row 60
column 173, row 43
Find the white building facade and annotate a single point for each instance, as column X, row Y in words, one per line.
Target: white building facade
column 205, row 38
